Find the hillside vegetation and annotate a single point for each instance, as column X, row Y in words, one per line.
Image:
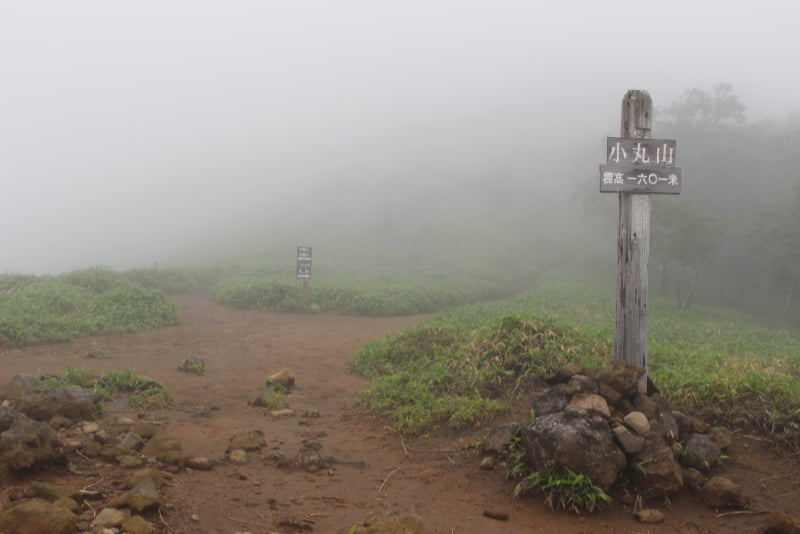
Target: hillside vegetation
column 465, row 364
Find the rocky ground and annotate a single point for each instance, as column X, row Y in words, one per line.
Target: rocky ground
column 219, row 460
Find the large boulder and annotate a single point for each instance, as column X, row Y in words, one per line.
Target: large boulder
column 25, row 443
column 37, row 516
column 576, row 440
column 73, row 402
column 19, row 386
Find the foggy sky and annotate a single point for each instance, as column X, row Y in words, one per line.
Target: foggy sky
column 132, row 132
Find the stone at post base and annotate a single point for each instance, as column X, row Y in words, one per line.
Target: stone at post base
column 573, row 439
column 655, row 469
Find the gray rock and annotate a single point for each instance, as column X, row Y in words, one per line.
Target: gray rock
column 142, row 497
column 722, row 492
column 137, row 525
column 563, row 374
column 668, row 426
column 721, row 437
column 637, row 422
column 249, row 440
column 781, row 523
column 646, row 405
column 581, row 384
column 688, row 425
column 90, row 427
column 551, row 400
column 629, row 442
column 621, row 376
column 499, row 437
column 164, row 449
column 487, row 463
column 693, row 479
column 200, row 463
column 593, row 404
column 25, row 443
column 19, row 386
column 129, row 461
column 650, row 515
column 700, row 453
column 37, row 516
column 132, row 441
column 611, row 395
column 574, row 439
column 111, row 517
column 69, row 401
column 655, row 469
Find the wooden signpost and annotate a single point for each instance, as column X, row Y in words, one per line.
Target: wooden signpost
column 636, row 166
column 304, row 268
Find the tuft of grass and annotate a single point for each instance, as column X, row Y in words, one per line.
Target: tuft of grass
column 275, row 401
column 111, row 384
column 565, row 490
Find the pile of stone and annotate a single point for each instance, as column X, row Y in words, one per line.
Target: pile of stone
column 600, row 424
column 41, row 428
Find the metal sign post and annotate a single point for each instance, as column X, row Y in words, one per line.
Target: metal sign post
column 636, row 166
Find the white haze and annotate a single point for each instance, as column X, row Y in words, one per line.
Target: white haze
column 134, row 132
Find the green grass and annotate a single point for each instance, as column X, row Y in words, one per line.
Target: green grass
column 741, row 373
column 568, row 490
column 47, row 309
column 444, row 373
column 111, row 384
column 372, row 298
column 381, row 292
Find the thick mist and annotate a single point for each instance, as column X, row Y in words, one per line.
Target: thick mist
column 179, row 132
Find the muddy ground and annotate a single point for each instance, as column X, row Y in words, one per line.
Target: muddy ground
column 375, row 473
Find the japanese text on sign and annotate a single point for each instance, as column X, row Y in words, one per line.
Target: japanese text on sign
column 642, row 179
column 653, row 152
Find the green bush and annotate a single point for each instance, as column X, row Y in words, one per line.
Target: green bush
column 94, row 301
column 130, row 309
column 440, row 372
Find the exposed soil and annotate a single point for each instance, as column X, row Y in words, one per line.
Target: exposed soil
column 375, row 473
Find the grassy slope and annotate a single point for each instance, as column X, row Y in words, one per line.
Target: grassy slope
column 744, row 373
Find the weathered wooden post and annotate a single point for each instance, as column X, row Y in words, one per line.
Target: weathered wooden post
column 637, row 166
column 633, row 247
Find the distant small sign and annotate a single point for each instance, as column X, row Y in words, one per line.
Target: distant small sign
column 303, row 263
column 640, row 166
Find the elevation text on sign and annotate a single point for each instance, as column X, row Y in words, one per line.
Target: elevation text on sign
column 637, row 165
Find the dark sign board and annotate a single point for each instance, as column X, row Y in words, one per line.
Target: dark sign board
column 303, row 263
column 640, row 179
column 638, row 152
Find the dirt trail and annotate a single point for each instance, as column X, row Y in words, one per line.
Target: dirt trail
column 375, row 474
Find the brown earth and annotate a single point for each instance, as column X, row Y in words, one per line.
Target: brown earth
column 375, row 474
